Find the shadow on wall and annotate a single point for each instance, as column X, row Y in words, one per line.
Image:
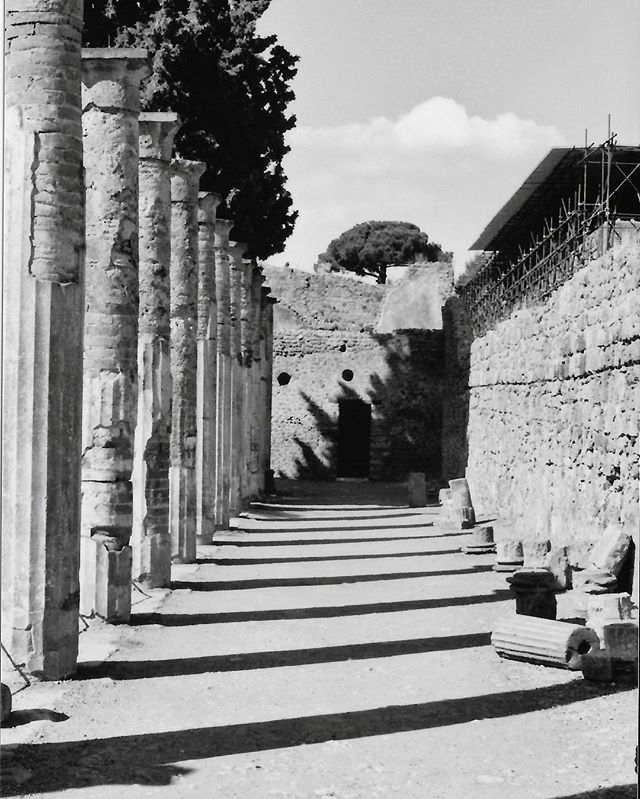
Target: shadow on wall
column 458, row 338
column 405, row 399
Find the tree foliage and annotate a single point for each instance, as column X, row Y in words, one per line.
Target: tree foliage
column 370, row 247
column 229, row 86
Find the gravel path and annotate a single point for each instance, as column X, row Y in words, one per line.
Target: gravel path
column 338, row 647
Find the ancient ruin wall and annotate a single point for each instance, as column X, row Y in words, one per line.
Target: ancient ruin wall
column 327, row 302
column 399, row 375
column 554, row 407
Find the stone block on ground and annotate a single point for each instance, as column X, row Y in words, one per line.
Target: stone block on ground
column 604, row 609
column 509, row 556
column 481, row 541
column 610, row 551
column 461, row 504
column 621, row 640
column 417, row 489
column 594, row 581
column 598, row 667
column 534, row 593
column 557, row 561
column 543, row 641
column 535, row 553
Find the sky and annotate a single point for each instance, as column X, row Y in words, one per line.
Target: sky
column 435, row 111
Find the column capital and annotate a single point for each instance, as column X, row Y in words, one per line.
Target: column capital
column 208, row 201
column 157, row 131
column 111, row 77
column 223, row 228
column 185, row 180
column 237, row 249
column 70, row 8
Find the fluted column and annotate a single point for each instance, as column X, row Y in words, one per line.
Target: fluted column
column 236, row 251
column 185, row 180
column 223, row 349
column 42, row 335
column 111, row 105
column 151, row 542
column 207, row 334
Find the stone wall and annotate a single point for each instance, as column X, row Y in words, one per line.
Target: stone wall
column 325, row 324
column 399, row 375
column 328, row 302
column 554, row 406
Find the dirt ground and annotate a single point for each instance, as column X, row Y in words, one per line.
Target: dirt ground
column 338, row 646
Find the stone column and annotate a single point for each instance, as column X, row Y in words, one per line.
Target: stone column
column 254, row 411
column 236, row 454
column 185, row 180
column 268, row 387
column 223, row 349
column 151, row 542
column 263, row 416
column 111, row 105
column 42, row 348
column 207, row 335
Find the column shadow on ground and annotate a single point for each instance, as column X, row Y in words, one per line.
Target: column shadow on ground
column 612, row 792
column 352, row 515
column 234, row 542
column 18, row 718
column 295, row 527
column 150, row 759
column 329, row 612
column 289, row 582
column 248, row 661
column 321, row 558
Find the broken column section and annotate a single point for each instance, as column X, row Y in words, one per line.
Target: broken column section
column 223, row 390
column 185, row 180
column 151, row 541
column 206, row 445
column 461, row 503
column 42, row 318
column 111, row 105
column 550, row 643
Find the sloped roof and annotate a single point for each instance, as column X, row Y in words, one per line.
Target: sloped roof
column 539, row 198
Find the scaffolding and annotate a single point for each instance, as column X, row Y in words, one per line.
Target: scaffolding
column 576, row 227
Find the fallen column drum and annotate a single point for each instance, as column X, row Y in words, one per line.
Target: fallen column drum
column 543, row 641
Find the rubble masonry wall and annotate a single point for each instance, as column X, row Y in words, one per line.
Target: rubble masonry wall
column 399, row 375
column 554, row 407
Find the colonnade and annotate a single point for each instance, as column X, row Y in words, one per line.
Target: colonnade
column 137, row 344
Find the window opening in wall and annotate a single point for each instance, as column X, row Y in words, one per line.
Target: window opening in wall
column 347, row 375
column 354, row 438
column 283, row 378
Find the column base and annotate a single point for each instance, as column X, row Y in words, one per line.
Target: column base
column 105, row 579
column 182, row 514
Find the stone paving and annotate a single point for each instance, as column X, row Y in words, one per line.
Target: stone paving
column 339, row 646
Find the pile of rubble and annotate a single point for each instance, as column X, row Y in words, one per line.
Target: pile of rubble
column 601, row 638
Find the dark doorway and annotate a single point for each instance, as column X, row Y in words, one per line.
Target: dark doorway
column 354, row 434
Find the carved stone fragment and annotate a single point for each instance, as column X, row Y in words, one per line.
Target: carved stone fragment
column 543, row 641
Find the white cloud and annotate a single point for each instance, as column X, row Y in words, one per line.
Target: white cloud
column 439, row 124
column 436, row 166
